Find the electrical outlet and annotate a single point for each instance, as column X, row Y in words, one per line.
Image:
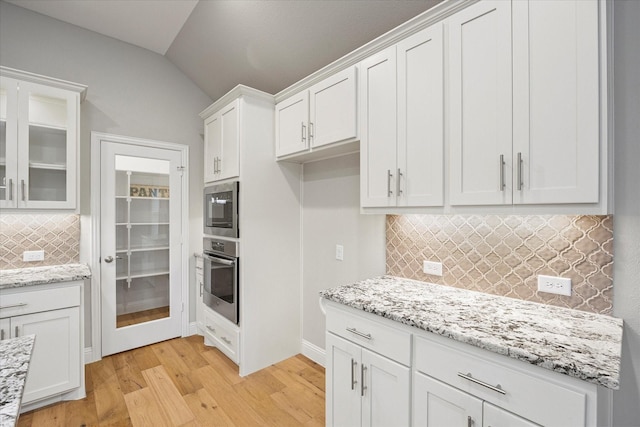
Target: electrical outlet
column 554, row 285
column 29, row 256
column 339, row 252
column 432, row 268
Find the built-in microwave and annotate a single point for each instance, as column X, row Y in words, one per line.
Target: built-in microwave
column 221, row 210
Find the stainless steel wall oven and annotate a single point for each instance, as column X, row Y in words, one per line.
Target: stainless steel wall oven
column 221, row 277
column 221, row 210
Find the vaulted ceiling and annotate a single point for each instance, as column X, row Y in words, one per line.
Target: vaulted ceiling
column 265, row 44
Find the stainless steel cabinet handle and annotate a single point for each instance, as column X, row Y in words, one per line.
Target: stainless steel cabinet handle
column 2, row 337
column 201, row 288
column 496, row 388
column 469, row 421
column 211, row 329
column 219, row 165
column 519, row 174
column 108, row 259
column 20, row 304
column 215, row 165
column 502, row 185
column 361, row 334
column 225, row 339
column 16, row 332
column 354, row 365
column 304, row 132
column 310, row 131
column 22, row 189
column 10, row 189
column 399, row 176
column 389, row 175
column 363, row 370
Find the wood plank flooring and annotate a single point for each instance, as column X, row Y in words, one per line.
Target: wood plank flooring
column 142, row 316
column 182, row 382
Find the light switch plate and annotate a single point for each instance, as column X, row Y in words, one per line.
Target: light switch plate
column 28, row 256
column 339, row 252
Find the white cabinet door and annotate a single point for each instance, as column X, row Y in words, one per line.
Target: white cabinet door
column 8, row 143
column 498, row 417
column 292, row 116
column 438, row 404
column 212, row 147
column 5, row 329
column 480, row 120
column 343, row 382
column 378, row 129
column 419, row 175
column 385, row 388
column 55, row 363
column 229, row 166
column 556, row 101
column 200, row 290
column 332, row 109
column 222, row 144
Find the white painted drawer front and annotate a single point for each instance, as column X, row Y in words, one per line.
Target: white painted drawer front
column 532, row 396
column 33, row 301
column 225, row 337
column 364, row 330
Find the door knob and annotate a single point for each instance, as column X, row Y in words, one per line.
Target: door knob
column 108, row 259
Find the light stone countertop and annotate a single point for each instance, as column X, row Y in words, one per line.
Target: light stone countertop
column 575, row 343
column 30, row 276
column 15, row 354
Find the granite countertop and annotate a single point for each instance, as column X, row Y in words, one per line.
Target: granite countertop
column 15, row 354
column 575, row 343
column 42, row 275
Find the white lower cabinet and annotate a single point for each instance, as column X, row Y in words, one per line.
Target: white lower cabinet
column 200, row 291
column 222, row 334
column 381, row 372
column 52, row 313
column 368, row 375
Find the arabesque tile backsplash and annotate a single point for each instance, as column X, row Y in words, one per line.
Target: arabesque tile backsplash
column 504, row 254
column 57, row 234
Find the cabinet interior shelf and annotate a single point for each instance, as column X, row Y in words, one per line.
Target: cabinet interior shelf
column 142, row 275
column 48, row 166
column 149, row 249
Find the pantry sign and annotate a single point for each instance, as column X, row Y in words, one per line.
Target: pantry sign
column 151, row 191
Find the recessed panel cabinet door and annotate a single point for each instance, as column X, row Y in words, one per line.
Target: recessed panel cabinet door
column 498, row 417
column 343, row 382
column 556, row 101
column 378, row 129
column 480, row 104
column 292, row 116
column 420, row 119
column 229, row 165
column 437, row 404
column 384, row 387
column 212, row 147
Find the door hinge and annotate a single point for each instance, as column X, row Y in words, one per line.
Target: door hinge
column 181, row 169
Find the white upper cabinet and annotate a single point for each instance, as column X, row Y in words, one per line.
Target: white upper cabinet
column 222, row 144
column 420, row 119
column 556, row 115
column 524, row 103
column 318, row 119
column 378, row 121
column 39, row 132
column 402, row 123
column 480, row 104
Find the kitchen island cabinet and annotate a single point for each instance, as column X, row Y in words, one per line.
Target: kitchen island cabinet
column 474, row 357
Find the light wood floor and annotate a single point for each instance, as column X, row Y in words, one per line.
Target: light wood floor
column 142, row 316
column 181, row 382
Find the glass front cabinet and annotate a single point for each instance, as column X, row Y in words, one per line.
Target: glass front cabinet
column 39, row 134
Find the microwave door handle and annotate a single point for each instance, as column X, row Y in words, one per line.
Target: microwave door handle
column 221, row 260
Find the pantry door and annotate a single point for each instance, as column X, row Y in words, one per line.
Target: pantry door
column 140, row 256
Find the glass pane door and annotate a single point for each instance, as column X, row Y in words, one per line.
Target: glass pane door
column 140, row 235
column 142, row 240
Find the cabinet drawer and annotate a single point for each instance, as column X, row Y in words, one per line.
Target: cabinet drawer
column 525, row 392
column 26, row 301
column 364, row 329
column 226, row 337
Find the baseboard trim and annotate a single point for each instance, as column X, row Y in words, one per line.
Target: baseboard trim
column 313, row 352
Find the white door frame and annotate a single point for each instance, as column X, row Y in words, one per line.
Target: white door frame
column 96, row 309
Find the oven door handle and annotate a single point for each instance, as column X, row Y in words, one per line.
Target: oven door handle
column 220, row 260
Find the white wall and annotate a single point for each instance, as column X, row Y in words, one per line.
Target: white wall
column 132, row 92
column 626, row 273
column 330, row 216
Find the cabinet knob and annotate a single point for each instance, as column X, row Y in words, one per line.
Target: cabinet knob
column 108, row 259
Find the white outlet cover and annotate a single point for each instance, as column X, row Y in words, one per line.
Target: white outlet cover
column 28, row 256
column 432, row 268
column 554, row 285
